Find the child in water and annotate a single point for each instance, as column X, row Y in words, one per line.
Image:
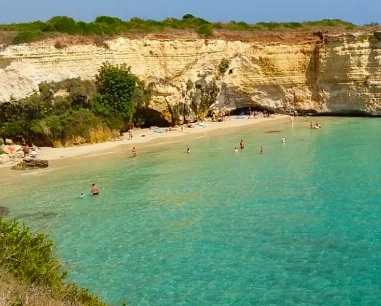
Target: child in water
column 82, row 195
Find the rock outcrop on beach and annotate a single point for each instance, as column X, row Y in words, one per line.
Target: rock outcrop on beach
column 30, row 164
column 11, row 154
column 309, row 72
column 3, row 211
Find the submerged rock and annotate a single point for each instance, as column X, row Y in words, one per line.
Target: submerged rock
column 29, row 164
column 3, row 211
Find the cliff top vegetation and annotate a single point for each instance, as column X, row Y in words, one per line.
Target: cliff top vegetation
column 106, row 26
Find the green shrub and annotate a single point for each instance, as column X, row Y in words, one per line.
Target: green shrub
column 61, row 24
column 29, row 257
column 115, row 87
column 59, row 45
column 205, row 30
column 224, row 65
column 27, row 36
column 373, row 39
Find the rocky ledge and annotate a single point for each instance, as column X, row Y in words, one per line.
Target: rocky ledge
column 10, row 153
column 29, row 164
column 3, row 210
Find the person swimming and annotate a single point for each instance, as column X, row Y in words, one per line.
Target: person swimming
column 235, row 149
column 94, row 190
column 82, row 195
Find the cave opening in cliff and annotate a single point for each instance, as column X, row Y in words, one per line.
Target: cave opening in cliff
column 147, row 117
column 246, row 110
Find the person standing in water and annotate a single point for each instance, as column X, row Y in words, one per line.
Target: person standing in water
column 262, row 150
column 133, row 152
column 188, row 151
column 94, row 189
column 283, row 139
column 242, row 144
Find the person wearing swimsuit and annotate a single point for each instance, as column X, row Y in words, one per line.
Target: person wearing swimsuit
column 94, row 190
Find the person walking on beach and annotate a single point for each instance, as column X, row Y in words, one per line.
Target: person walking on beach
column 242, row 145
column 262, row 150
column 94, row 189
column 133, row 152
column 130, row 135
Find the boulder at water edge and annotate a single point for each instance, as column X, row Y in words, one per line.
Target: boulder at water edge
column 31, row 164
column 3, row 211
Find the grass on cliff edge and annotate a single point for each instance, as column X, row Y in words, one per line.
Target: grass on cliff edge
column 30, row 273
column 111, row 26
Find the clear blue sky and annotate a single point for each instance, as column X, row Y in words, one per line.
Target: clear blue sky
column 252, row 11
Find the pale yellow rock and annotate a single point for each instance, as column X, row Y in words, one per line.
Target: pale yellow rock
column 341, row 74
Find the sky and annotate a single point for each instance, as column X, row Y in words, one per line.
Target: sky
column 251, row 11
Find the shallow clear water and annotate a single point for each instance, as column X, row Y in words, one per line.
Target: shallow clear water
column 299, row 224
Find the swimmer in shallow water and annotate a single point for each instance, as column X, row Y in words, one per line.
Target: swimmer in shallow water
column 94, row 189
column 235, row 150
column 262, row 150
column 82, row 195
column 188, row 151
column 283, row 139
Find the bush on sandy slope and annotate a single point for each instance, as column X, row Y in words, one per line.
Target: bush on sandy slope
column 29, row 270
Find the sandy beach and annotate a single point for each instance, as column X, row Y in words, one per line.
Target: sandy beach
column 141, row 137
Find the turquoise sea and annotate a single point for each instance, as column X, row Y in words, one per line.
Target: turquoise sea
column 298, row 225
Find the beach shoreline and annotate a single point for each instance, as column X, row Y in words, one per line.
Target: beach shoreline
column 141, row 138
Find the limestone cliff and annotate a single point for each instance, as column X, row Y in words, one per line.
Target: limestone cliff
column 312, row 73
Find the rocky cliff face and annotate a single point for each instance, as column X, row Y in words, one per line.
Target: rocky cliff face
column 334, row 73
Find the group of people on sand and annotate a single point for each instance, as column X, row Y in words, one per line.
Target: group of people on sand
column 31, row 151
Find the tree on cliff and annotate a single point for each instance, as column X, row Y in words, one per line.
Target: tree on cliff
column 115, row 90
